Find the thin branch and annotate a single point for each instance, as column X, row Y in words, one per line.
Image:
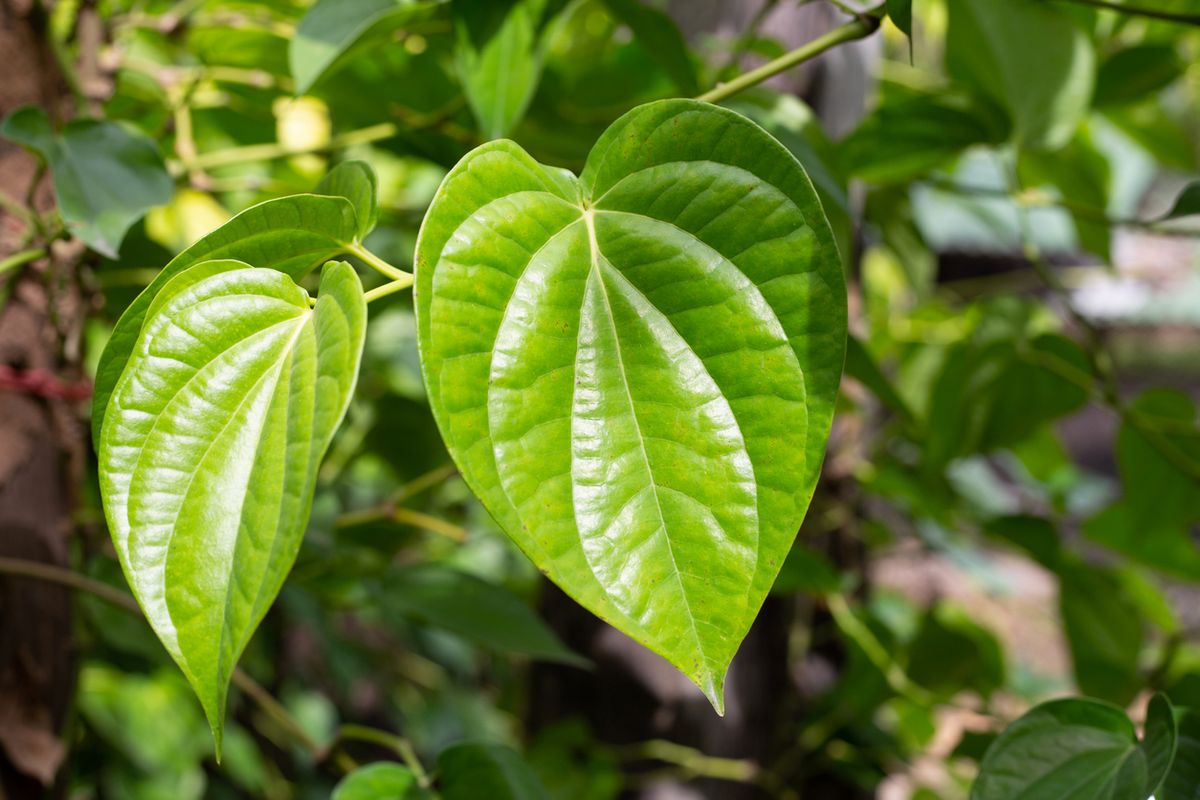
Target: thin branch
column 694, row 763
column 274, row 150
column 875, row 651
column 398, row 285
column 860, row 28
column 21, row 568
column 1138, row 11
column 379, row 265
column 397, row 744
column 21, row 259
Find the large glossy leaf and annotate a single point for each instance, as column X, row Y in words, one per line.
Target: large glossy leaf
column 475, row 609
column 209, row 451
column 293, row 235
column 106, row 177
column 474, row 770
column 1028, row 56
column 635, row 370
column 499, row 58
column 333, row 30
column 1078, row 750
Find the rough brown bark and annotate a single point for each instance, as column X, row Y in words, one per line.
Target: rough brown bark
column 42, row 440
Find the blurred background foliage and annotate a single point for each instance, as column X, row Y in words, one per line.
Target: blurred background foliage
column 1011, row 495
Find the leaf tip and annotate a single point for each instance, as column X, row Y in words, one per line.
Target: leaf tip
column 713, row 688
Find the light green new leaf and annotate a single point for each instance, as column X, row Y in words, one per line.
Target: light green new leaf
column 332, row 30
column 475, row 609
column 635, row 370
column 381, row 781
column 498, row 53
column 106, row 177
column 355, row 181
column 474, row 770
column 293, row 235
column 1030, row 58
column 209, row 451
column 1078, row 750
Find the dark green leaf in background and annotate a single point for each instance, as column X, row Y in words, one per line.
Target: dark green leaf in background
column 334, row 30
column 1104, row 630
column 1078, row 750
column 1187, row 204
column 381, row 781
column 1028, row 56
column 653, row 450
column 1183, row 781
column 106, row 177
column 473, row 608
column 209, row 451
column 661, row 39
column 1132, row 74
column 473, row 771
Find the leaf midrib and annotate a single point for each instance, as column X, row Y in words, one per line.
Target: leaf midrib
column 595, row 272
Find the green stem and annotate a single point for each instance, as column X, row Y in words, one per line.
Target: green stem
column 1138, row 11
column 266, row 152
column 50, row 573
column 874, row 650
column 378, row 264
column 694, row 763
column 21, row 259
column 863, row 26
column 397, row 744
column 400, row 284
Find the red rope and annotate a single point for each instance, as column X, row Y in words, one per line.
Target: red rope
column 40, row 383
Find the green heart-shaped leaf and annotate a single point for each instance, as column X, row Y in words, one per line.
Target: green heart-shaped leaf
column 209, row 451
column 293, row 235
column 1079, row 750
column 635, row 370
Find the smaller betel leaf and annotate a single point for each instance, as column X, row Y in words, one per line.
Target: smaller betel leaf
column 210, row 445
column 635, row 369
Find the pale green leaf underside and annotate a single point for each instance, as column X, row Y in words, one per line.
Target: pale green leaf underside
column 636, row 369
column 209, row 450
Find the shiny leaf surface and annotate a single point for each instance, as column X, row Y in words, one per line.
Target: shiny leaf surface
column 293, row 235
column 635, row 370
column 209, row 451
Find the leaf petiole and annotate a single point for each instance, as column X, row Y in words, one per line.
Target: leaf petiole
column 400, row 284
column 378, row 264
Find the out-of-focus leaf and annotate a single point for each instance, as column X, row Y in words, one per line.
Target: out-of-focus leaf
column 1028, row 56
column 572, row 765
column 210, row 446
column 486, row 614
column 499, row 58
column 1082, row 176
column 861, row 366
column 1104, row 630
column 951, row 653
column 472, row 771
column 1186, row 204
column 900, row 12
column 381, row 781
column 663, row 474
column 1037, row 536
column 1157, row 459
column 1132, row 74
column 806, row 570
column 660, row 37
column 355, row 181
column 290, row 234
column 105, row 176
column 335, row 30
column 1183, row 781
column 910, row 135
column 1078, row 750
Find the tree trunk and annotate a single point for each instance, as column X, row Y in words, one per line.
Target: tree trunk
column 42, row 436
